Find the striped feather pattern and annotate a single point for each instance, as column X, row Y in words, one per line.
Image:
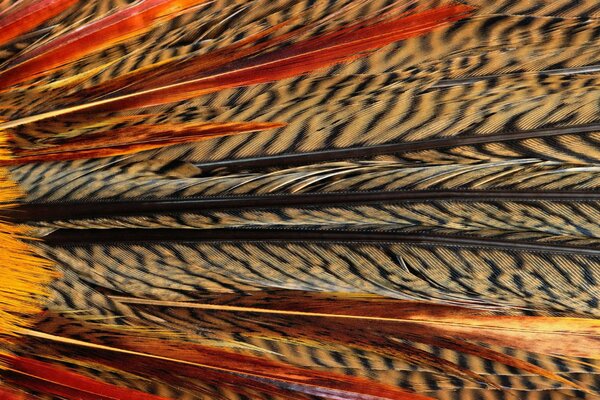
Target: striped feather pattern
column 537, row 277
column 157, row 180
column 412, row 213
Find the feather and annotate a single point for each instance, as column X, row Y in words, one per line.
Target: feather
column 9, row 394
column 217, row 364
column 299, row 59
column 400, row 265
column 26, row 275
column 133, row 140
column 94, row 37
column 38, row 375
column 565, row 9
column 24, row 16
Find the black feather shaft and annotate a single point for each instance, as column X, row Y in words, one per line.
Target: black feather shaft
column 70, row 237
column 391, row 148
column 32, row 212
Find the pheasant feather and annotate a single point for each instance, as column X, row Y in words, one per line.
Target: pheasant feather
column 352, row 199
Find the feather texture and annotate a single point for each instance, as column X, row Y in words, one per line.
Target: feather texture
column 354, row 199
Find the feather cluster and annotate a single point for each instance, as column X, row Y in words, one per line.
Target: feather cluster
column 299, row 199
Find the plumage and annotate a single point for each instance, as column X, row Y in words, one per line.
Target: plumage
column 276, row 199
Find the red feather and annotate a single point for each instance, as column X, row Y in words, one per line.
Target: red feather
column 55, row 380
column 20, row 19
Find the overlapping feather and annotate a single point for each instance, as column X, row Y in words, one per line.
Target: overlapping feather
column 447, row 247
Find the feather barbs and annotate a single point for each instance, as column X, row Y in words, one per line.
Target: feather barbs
column 133, row 139
column 24, row 276
column 305, row 57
